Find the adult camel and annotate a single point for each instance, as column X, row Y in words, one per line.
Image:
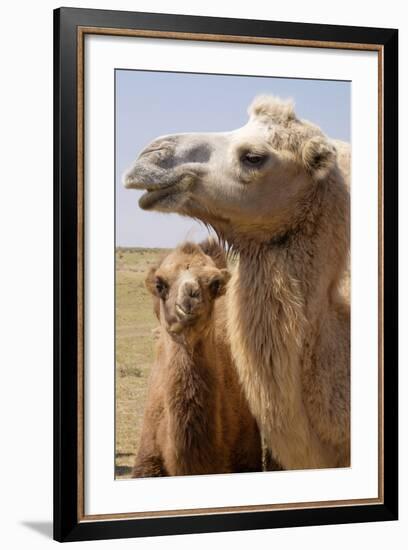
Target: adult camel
column 275, row 190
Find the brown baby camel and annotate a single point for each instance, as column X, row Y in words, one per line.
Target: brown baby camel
column 196, row 419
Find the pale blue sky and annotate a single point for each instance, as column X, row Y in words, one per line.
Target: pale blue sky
column 150, row 104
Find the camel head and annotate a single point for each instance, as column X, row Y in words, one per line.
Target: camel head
column 185, row 285
column 253, row 180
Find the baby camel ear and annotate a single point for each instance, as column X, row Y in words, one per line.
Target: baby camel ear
column 319, row 157
column 150, row 281
column 218, row 283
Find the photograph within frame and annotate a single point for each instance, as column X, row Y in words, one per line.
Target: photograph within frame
column 149, row 103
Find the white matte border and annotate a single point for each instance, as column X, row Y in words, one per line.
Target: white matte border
column 104, row 495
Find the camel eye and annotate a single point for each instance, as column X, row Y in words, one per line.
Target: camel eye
column 161, row 286
column 253, row 160
column 215, row 287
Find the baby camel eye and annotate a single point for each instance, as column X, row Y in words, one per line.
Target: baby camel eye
column 254, row 160
column 161, row 286
column 215, row 287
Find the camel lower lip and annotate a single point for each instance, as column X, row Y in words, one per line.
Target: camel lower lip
column 151, row 197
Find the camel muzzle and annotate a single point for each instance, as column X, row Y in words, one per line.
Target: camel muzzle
column 148, row 176
column 167, row 161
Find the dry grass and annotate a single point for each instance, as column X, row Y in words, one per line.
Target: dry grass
column 135, row 321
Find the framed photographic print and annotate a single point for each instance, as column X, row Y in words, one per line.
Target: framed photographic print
column 225, row 274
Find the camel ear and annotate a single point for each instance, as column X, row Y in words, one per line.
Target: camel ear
column 150, row 281
column 211, row 248
column 218, row 283
column 319, row 157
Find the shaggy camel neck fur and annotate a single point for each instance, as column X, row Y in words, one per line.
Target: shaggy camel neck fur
column 289, row 344
column 194, row 437
column 197, row 419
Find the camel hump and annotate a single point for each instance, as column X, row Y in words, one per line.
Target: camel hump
column 212, row 248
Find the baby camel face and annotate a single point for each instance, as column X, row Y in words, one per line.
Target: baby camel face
column 185, row 285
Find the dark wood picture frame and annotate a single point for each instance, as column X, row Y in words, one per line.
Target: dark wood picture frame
column 70, row 27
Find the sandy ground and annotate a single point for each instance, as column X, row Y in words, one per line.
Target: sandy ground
column 134, row 350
